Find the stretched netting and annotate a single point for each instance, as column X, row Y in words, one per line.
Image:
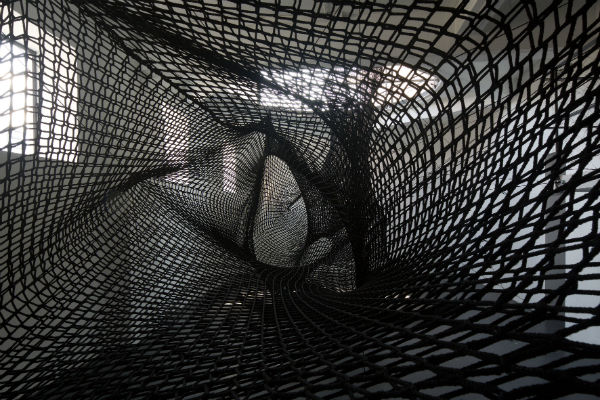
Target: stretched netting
column 299, row 199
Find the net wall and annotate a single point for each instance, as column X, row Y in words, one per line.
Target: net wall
column 299, row 199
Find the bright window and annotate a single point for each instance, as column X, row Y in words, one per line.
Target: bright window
column 30, row 60
column 399, row 83
column 176, row 141
column 17, row 98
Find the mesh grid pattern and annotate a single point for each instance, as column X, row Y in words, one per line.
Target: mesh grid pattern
column 299, row 199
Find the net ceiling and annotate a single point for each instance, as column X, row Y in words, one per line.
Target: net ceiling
column 299, row 199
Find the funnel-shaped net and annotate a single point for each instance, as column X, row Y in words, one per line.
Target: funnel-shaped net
column 299, row 199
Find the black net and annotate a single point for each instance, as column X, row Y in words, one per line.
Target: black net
column 299, row 199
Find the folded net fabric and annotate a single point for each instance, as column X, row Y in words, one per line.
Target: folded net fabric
column 299, row 199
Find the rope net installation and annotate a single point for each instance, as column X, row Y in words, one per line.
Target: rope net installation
column 299, row 199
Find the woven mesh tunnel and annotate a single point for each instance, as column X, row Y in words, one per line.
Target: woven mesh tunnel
column 299, row 199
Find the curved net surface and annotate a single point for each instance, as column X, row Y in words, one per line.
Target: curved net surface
column 299, row 199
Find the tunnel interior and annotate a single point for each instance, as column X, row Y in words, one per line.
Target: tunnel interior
column 299, row 199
